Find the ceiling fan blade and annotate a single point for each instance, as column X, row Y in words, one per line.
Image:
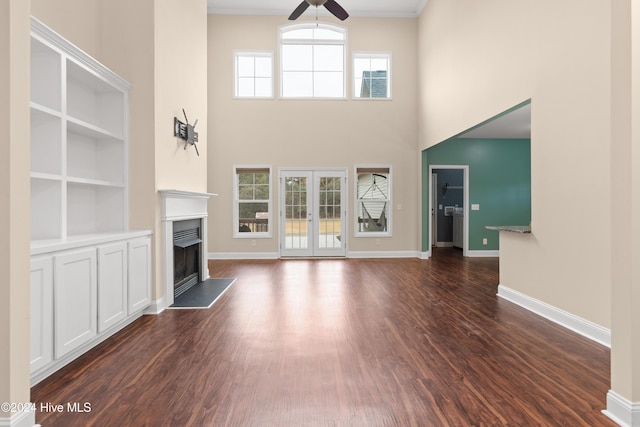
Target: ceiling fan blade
column 336, row 10
column 299, row 11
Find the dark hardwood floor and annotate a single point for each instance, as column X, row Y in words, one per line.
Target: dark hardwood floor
column 402, row 342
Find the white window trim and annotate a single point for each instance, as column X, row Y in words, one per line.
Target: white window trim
column 236, row 200
column 255, row 53
column 372, row 54
column 356, row 227
column 345, row 72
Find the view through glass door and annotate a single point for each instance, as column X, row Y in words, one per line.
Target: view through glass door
column 312, row 220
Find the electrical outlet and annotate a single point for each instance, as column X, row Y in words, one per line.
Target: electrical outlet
column 377, row 242
column 253, row 243
column 485, row 241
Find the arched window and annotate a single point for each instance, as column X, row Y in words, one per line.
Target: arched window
column 312, row 61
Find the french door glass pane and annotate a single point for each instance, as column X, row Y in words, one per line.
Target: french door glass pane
column 296, row 213
column 330, row 226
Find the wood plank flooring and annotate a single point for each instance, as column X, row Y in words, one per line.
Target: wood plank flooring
column 402, row 342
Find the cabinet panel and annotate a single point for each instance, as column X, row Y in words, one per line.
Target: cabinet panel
column 75, row 299
column 112, row 285
column 41, row 313
column 139, row 274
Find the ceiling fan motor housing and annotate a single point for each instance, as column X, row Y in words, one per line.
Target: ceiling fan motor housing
column 316, row 3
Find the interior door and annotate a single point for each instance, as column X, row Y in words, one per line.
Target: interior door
column 313, row 213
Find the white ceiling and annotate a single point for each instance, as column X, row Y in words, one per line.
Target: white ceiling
column 378, row 8
column 513, row 125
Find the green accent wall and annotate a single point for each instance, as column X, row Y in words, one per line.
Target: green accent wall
column 499, row 181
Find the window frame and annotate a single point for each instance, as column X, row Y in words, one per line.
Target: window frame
column 255, row 54
column 357, row 199
column 236, row 204
column 371, row 55
column 314, row 42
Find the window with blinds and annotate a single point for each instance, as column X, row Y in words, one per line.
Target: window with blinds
column 252, row 204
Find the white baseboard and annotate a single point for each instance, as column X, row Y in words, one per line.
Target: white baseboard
column 483, row 254
column 622, row 411
column 156, row 307
column 243, row 255
column 20, row 419
column 352, row 254
column 381, row 254
column 572, row 322
column 471, row 254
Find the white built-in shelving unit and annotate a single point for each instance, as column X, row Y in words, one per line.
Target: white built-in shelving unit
column 78, row 141
column 90, row 274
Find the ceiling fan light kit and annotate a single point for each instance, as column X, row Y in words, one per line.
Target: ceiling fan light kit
column 331, row 5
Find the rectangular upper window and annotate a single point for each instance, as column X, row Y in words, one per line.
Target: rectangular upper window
column 252, row 201
column 373, row 201
column 253, row 71
column 372, row 75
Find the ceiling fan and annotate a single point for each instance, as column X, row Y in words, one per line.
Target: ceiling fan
column 330, row 5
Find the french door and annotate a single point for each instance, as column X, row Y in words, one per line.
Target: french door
column 313, row 213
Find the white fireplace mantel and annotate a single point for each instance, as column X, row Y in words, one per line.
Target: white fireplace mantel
column 180, row 205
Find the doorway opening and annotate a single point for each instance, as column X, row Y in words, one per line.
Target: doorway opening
column 449, row 206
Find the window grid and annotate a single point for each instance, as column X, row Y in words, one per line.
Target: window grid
column 253, row 74
column 372, row 75
column 308, row 82
column 252, row 207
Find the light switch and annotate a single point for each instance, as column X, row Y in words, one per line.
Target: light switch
column 475, row 207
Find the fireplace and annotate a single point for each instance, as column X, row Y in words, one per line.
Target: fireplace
column 184, row 242
column 186, row 255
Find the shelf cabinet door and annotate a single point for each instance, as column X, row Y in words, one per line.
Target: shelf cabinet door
column 139, row 274
column 112, row 285
column 75, row 299
column 41, row 313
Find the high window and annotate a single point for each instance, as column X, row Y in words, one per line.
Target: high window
column 373, row 201
column 312, row 61
column 253, row 74
column 372, row 75
column 252, row 204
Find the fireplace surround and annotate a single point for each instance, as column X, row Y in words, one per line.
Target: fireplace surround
column 180, row 208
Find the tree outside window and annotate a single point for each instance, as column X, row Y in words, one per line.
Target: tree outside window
column 252, row 216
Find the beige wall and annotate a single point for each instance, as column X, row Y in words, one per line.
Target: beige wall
column 477, row 60
column 181, row 82
column 14, row 196
column 75, row 20
column 625, row 193
column 578, row 61
column 620, row 377
column 180, row 67
column 302, row 133
column 160, row 47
